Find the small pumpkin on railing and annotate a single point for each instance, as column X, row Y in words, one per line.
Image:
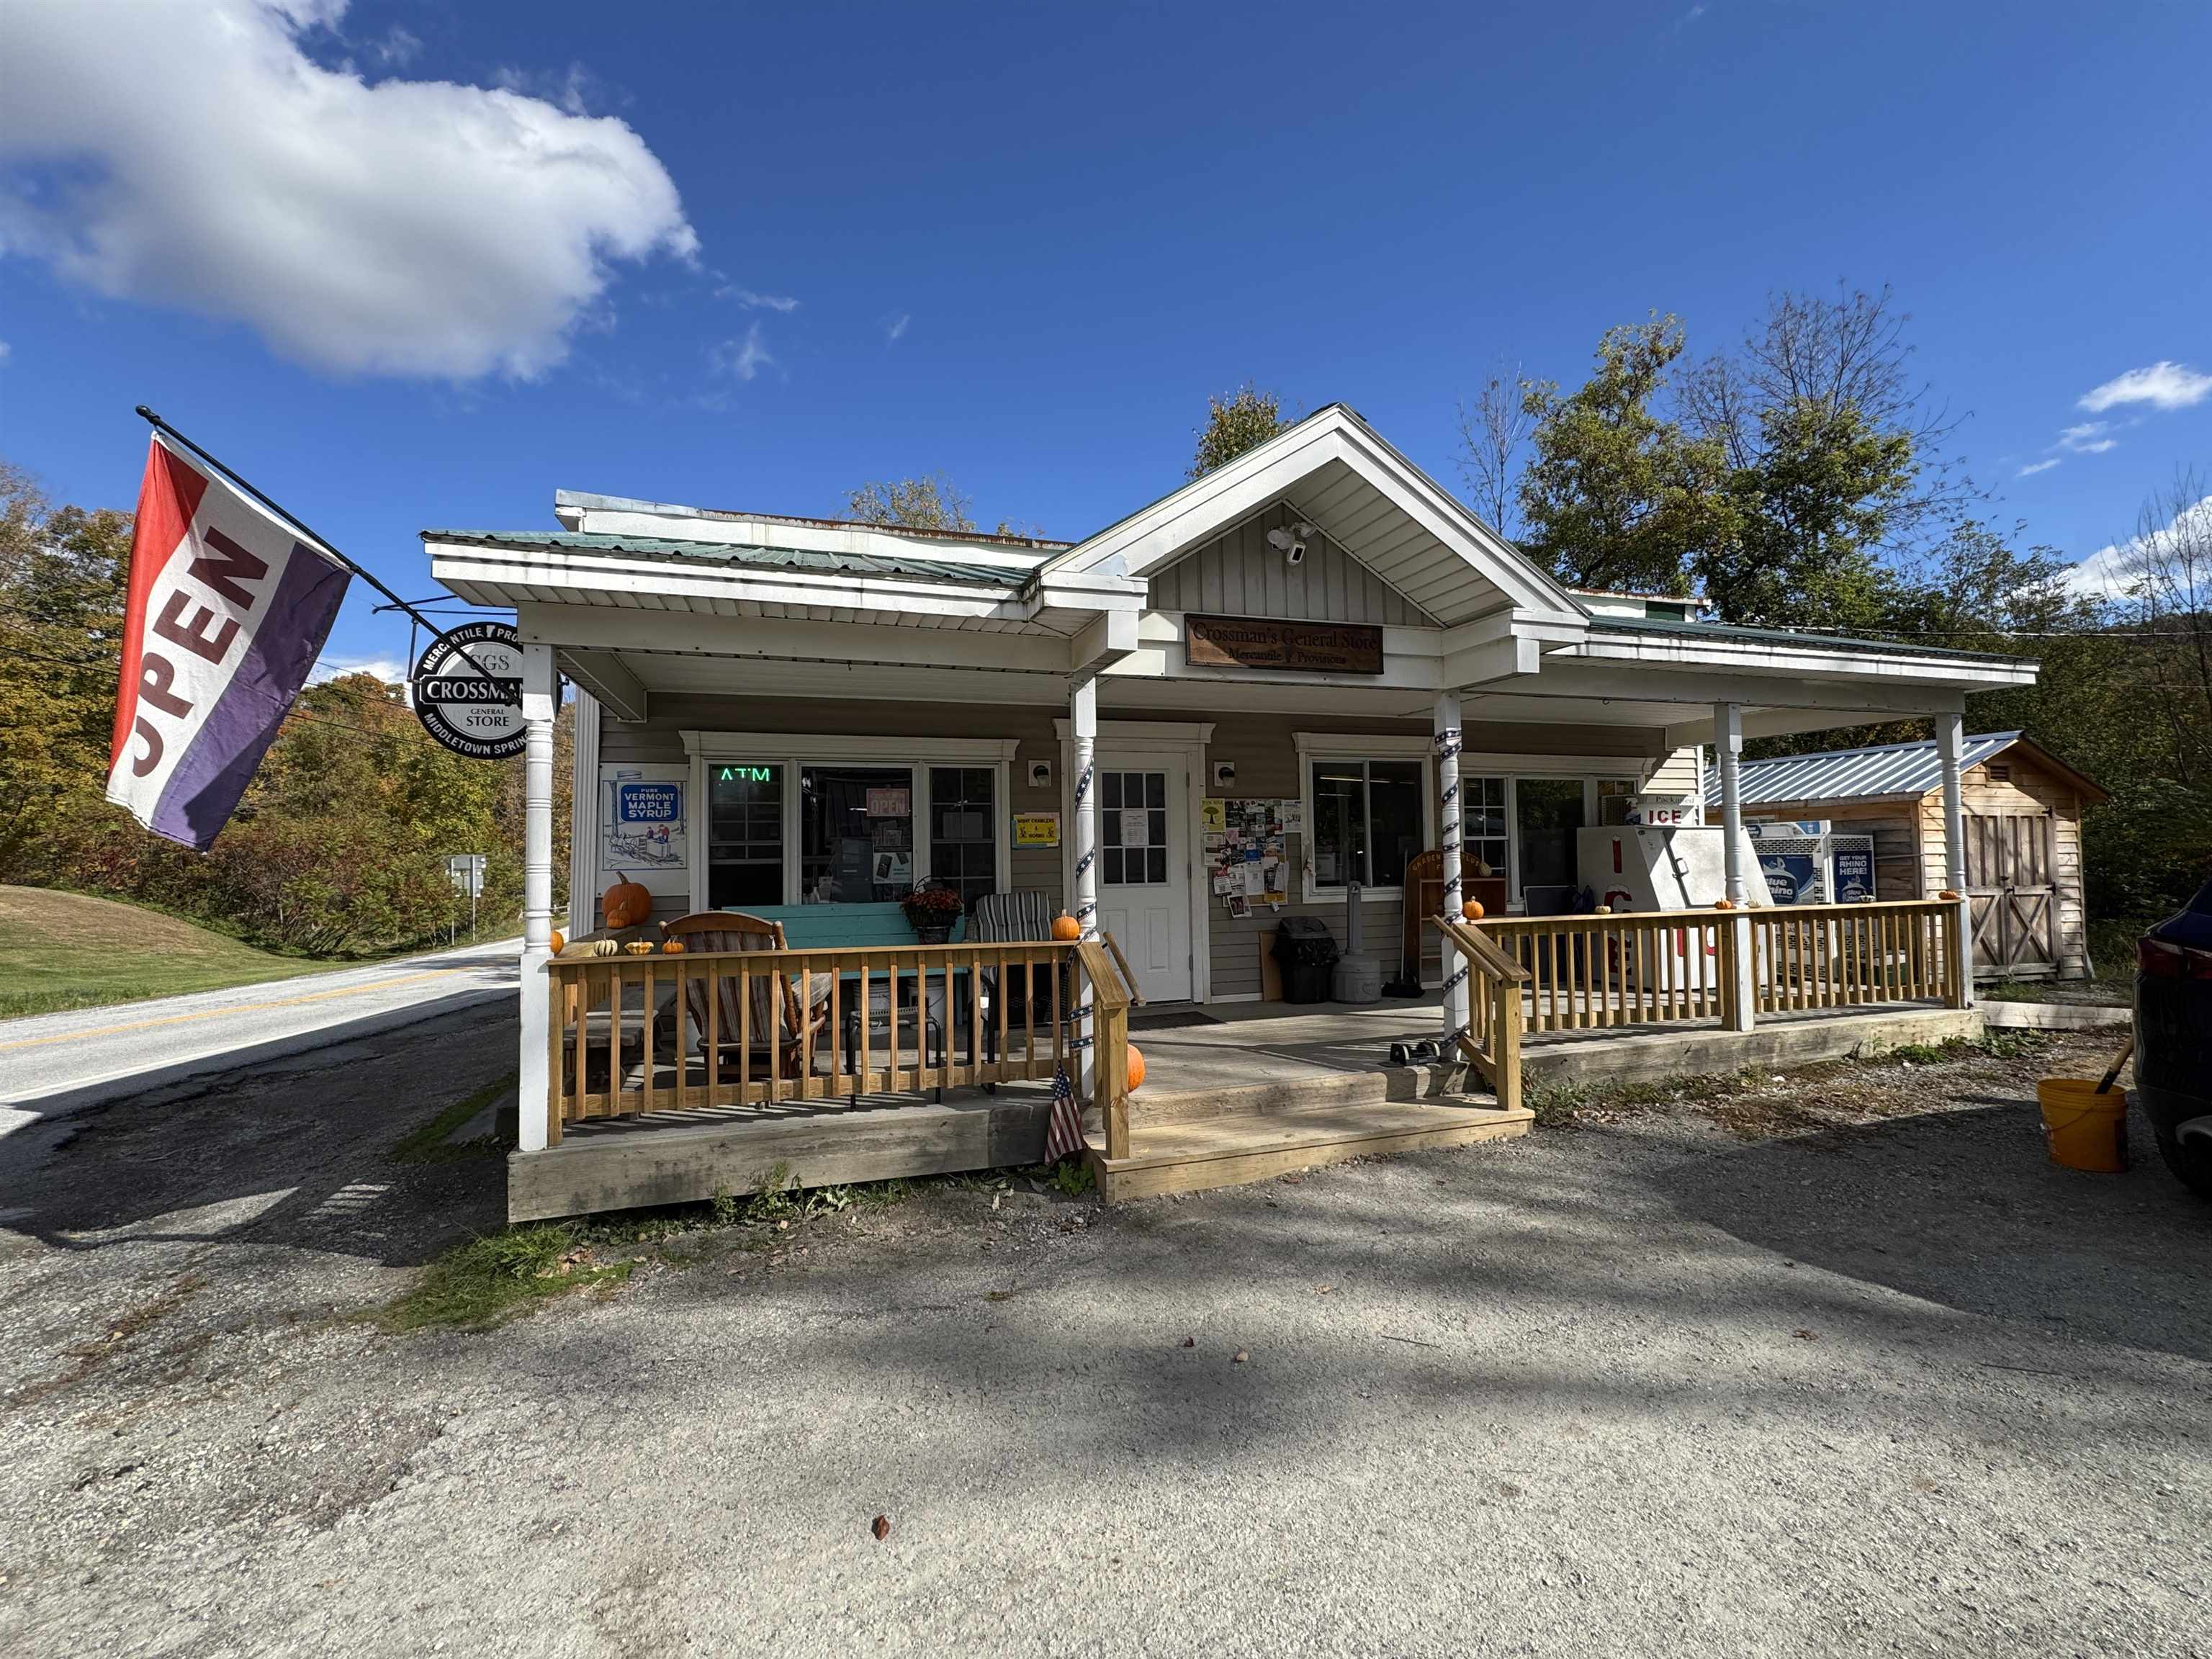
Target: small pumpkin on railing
column 626, row 903
column 672, row 947
column 1136, row 1068
column 1724, row 904
column 1065, row 926
column 640, row 947
column 557, row 941
column 1472, row 910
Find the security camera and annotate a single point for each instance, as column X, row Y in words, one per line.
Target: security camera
column 1291, row 543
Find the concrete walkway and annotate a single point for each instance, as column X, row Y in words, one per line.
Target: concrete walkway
column 51, row 1065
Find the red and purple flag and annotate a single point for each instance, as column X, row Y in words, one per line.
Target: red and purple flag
column 228, row 610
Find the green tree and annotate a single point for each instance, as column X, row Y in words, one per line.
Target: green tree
column 1245, row 419
column 1615, row 495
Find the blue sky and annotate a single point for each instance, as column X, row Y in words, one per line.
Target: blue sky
column 1022, row 244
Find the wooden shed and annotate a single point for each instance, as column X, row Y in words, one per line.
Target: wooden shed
column 2023, row 808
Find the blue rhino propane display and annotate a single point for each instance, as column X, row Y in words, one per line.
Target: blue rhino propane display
column 1807, row 862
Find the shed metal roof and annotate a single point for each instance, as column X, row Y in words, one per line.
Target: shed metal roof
column 1885, row 769
column 1790, row 637
column 748, row 555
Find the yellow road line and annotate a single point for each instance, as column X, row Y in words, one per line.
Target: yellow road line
column 217, row 1013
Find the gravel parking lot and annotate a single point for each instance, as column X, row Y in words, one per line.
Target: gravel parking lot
column 1833, row 1366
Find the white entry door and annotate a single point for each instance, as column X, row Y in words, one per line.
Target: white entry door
column 1144, row 867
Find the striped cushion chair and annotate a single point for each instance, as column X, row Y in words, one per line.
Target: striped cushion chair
column 1021, row 917
column 773, row 997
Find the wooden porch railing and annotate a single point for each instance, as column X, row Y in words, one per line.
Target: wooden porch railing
column 1849, row 956
column 740, row 1027
column 1491, row 1041
column 1591, row 971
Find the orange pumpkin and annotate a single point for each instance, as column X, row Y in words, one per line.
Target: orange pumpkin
column 626, row 904
column 1949, row 895
column 559, row 942
column 1471, row 910
column 1724, row 904
column 1136, row 1068
column 1065, row 926
column 672, row 947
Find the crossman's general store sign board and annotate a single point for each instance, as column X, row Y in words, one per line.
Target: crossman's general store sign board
column 1256, row 643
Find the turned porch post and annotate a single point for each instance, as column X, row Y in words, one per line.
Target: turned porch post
column 1449, row 820
column 541, row 696
column 1950, row 746
column 1738, row 989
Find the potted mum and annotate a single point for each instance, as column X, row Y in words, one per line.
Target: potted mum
column 931, row 911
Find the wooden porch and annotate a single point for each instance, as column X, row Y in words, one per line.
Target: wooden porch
column 941, row 1071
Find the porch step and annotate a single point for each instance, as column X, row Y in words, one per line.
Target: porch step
column 1369, row 1086
column 1228, row 1149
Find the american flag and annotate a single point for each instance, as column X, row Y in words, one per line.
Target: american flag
column 1064, row 1136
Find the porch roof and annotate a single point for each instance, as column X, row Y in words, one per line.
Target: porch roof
column 755, row 556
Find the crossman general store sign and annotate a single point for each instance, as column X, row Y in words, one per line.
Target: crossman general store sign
column 472, row 714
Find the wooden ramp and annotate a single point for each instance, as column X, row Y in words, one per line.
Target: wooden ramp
column 1202, row 1139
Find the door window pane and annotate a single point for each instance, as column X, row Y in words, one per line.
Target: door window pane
column 964, row 848
column 1482, row 826
column 1550, row 810
column 1393, row 820
column 1616, row 798
column 855, row 834
column 1133, row 829
column 744, row 837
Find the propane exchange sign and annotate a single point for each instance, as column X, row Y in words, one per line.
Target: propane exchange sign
column 458, row 706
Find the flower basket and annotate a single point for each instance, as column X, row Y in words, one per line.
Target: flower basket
column 931, row 912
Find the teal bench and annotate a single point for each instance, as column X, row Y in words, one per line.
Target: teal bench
column 842, row 927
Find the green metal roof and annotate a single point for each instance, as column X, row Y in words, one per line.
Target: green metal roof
column 810, row 561
column 1696, row 630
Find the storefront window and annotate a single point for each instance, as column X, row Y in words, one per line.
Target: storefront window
column 1482, row 826
column 1368, row 821
column 963, row 851
column 744, row 852
column 1616, row 799
column 1550, row 812
column 855, row 834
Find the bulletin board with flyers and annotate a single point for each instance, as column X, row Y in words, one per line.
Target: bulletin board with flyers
column 1247, row 850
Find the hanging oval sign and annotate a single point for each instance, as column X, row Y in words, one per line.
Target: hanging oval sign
column 458, row 706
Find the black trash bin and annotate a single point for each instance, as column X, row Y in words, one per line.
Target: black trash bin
column 1307, row 952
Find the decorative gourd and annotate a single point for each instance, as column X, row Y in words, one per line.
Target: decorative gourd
column 1471, row 910
column 1724, row 904
column 600, row 947
column 673, row 947
column 558, row 941
column 640, row 947
column 626, row 904
column 1065, row 926
column 1602, row 910
column 1136, row 1068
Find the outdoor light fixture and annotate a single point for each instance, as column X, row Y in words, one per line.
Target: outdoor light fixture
column 1291, row 541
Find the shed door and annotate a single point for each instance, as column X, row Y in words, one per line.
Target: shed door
column 2008, row 879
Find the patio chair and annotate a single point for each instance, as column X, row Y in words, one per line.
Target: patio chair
column 773, row 997
column 1021, row 917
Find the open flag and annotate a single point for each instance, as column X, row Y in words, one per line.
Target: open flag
column 228, row 610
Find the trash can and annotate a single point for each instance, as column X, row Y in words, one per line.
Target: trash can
column 1306, row 951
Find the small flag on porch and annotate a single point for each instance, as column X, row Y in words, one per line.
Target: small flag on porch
column 1064, row 1136
column 227, row 610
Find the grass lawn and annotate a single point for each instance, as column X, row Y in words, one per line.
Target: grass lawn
column 69, row 950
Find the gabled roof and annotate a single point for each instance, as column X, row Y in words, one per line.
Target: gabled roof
column 815, row 561
column 1885, row 771
column 1368, row 499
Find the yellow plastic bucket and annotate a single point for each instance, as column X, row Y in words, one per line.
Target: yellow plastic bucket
column 2084, row 1129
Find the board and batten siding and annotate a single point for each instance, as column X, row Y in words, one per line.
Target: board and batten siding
column 1238, row 575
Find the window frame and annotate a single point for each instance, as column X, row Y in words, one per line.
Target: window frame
column 797, row 751
column 1315, row 748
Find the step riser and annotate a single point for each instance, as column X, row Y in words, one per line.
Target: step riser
column 1237, row 1170
column 1263, row 1099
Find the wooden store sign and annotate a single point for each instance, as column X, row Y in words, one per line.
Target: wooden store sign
column 1310, row 648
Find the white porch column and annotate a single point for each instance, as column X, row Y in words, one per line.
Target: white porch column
column 1950, row 746
column 1728, row 745
column 1082, row 713
column 1449, row 820
column 541, row 695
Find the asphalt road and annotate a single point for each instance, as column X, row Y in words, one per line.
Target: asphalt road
column 1641, row 1387
column 51, row 1065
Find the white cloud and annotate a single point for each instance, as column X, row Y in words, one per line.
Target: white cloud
column 2034, row 467
column 5, row 349
column 2106, row 574
column 194, row 156
column 390, row 670
column 2162, row 384
column 752, row 302
column 397, row 48
column 896, row 326
column 743, row 358
column 2087, row 438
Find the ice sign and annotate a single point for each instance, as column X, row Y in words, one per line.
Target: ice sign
column 649, row 802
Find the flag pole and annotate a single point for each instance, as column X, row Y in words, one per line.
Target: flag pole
column 321, row 542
